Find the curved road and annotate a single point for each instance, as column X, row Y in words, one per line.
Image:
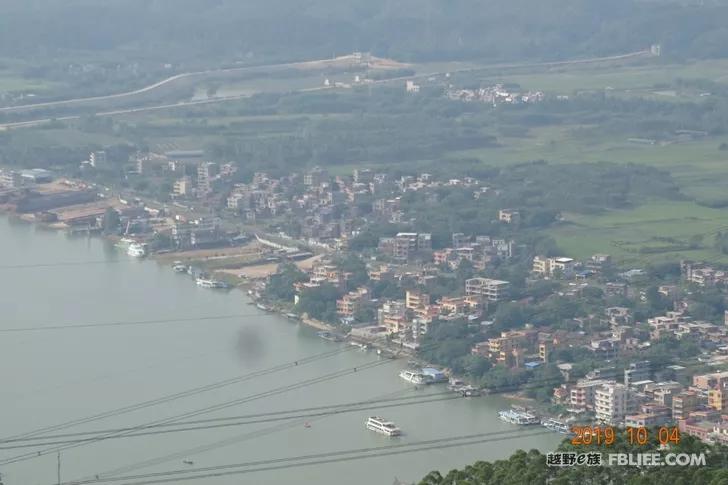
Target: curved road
column 30, row 123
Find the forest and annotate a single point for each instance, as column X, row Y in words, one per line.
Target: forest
column 194, row 32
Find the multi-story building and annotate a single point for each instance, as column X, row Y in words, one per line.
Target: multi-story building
column 416, row 299
column 491, row 290
column 509, row 216
column 205, row 172
column 552, row 266
column 349, row 304
column 198, row 233
column 544, row 351
column 581, row 396
column 11, row 179
column 710, row 381
column 684, row 403
column 637, row 371
column 393, row 316
column 182, row 187
column 363, row 176
column 718, row 398
column 650, row 414
column 97, row 159
column 612, row 402
column 405, row 244
column 315, row 177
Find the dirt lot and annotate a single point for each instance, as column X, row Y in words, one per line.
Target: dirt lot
column 250, row 249
column 264, row 270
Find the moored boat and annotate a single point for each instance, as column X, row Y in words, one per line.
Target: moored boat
column 137, row 250
column 413, row 377
column 210, row 283
column 555, row 425
column 512, row 416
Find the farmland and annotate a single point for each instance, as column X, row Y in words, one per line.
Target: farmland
column 653, row 231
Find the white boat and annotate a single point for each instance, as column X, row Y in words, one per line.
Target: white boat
column 382, row 426
column 179, row 267
column 208, row 283
column 124, row 242
column 413, row 377
column 516, row 417
column 262, row 307
column 555, row 425
column 137, row 250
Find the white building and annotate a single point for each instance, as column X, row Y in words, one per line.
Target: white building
column 491, row 290
column 612, row 402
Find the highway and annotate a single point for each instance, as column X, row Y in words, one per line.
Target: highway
column 223, row 99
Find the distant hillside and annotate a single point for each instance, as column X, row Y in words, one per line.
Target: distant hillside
column 207, row 31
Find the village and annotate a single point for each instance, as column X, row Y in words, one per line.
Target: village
column 305, row 245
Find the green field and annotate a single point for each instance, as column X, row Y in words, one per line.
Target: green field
column 659, row 230
column 656, row 231
column 628, row 77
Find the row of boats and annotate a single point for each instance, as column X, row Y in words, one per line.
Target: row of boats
column 201, row 279
column 522, row 417
column 455, row 385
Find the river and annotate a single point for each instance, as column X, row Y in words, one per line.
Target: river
column 54, row 376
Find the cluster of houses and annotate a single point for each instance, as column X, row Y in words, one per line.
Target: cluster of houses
column 494, row 95
column 328, row 208
column 644, row 396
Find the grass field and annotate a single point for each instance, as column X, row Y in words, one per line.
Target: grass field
column 566, row 80
column 652, row 232
column 14, row 83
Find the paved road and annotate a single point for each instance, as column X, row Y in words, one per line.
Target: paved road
column 30, row 123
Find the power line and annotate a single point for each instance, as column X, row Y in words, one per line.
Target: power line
column 359, row 453
column 63, row 264
column 206, row 410
column 254, row 435
column 236, row 421
column 178, row 395
column 127, row 323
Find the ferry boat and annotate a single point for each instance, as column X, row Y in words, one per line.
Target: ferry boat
column 555, row 425
column 512, row 416
column 382, row 426
column 137, row 250
column 413, row 377
column 209, row 283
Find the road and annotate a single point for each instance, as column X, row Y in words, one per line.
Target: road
column 223, row 99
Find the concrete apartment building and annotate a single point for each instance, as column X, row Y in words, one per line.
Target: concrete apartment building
column 684, row 403
column 490, row 290
column 637, row 371
column 182, row 187
column 612, row 402
column 550, row 266
column 581, row 396
column 416, row 299
column 349, row 304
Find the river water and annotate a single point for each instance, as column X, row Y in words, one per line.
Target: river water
column 55, row 376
